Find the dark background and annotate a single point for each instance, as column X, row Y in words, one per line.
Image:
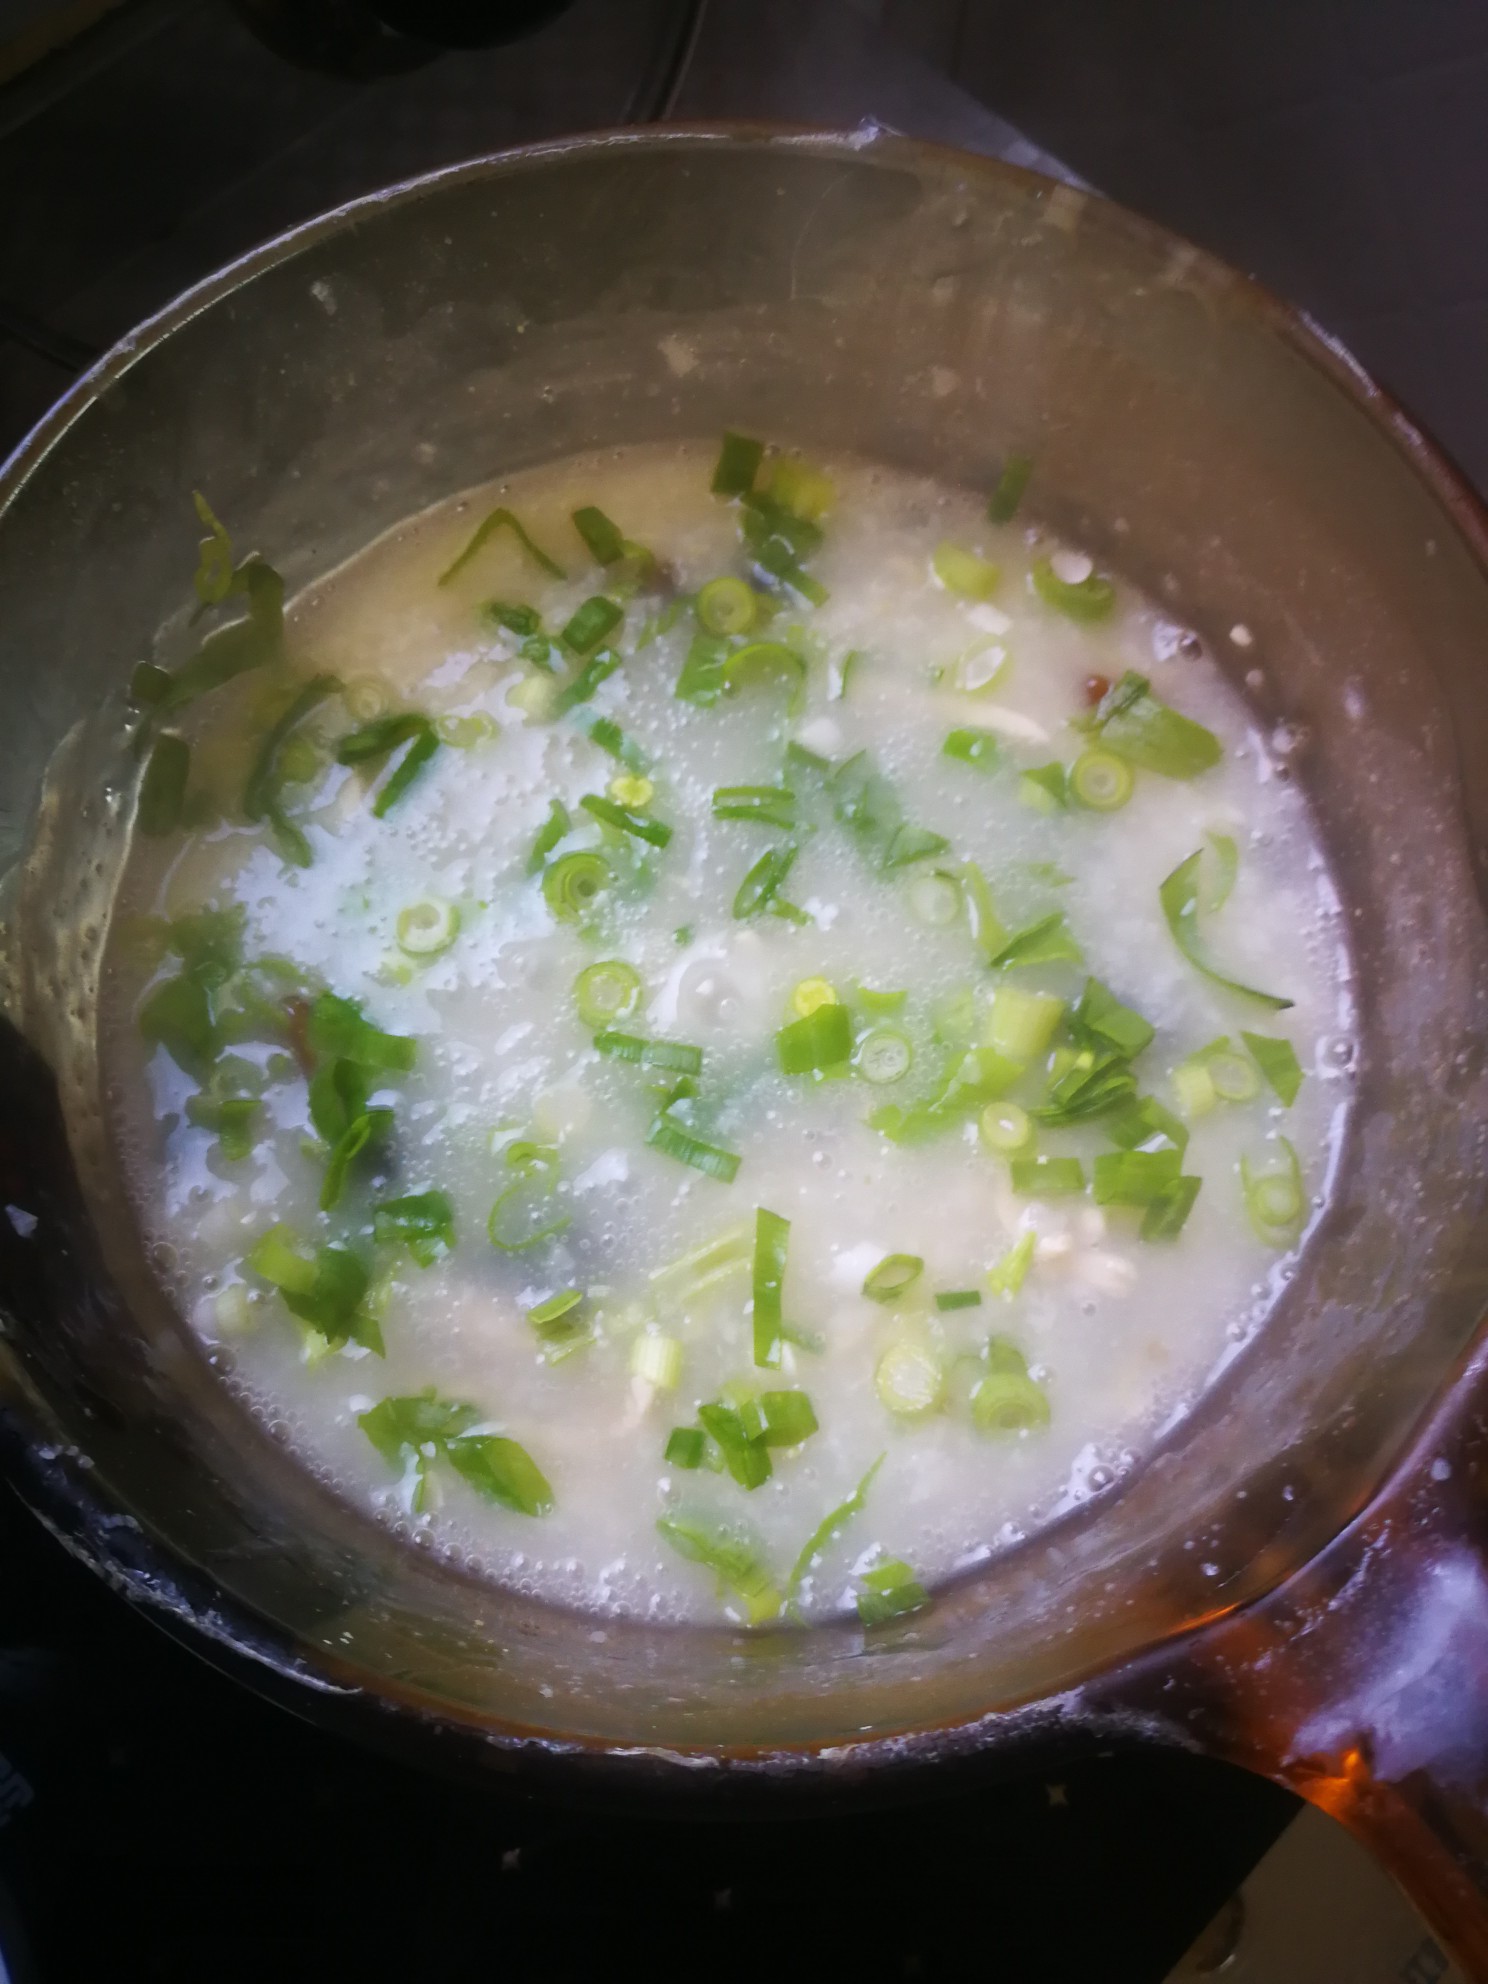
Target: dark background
column 157, row 1823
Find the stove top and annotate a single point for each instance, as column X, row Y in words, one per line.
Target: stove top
column 158, row 1821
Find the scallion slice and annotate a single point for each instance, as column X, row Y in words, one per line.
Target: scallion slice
column 424, row 1222
column 759, row 805
column 598, row 668
column 571, row 884
column 935, row 899
column 733, row 1559
column 893, row 1275
column 606, row 545
column 1007, row 1276
column 1005, row 1127
column 761, row 885
column 883, row 1055
column 890, row 1591
column 674, row 1139
column 549, row 834
column 701, row 680
column 657, row 1360
column 607, row 992
column 973, row 747
column 768, row 661
column 771, row 1238
column 1045, row 789
column 428, row 926
column 1146, row 1125
column 779, row 1419
column 626, row 820
column 1002, row 504
column 337, row 1030
column 500, row 519
column 591, row 623
column 1135, row 1177
column 987, row 930
column 1101, row 781
column 1007, row 1400
column 501, row 1471
column 909, row 1378
column 1133, row 723
column 1165, row 1216
column 964, row 572
column 671, row 1056
column 1275, row 1198
column 1090, row 598
column 820, row 1040
column 523, row 621
column 375, row 742
column 685, row 1447
column 738, row 464
column 524, row 1214
column 1047, row 1177
column 1277, row 1061
column 747, row 1460
column 947, row 1299
column 727, row 606
column 1048, row 941
column 827, row 1530
column 1179, row 896
column 805, row 491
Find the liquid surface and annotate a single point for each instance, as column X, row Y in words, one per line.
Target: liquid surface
column 1098, row 1336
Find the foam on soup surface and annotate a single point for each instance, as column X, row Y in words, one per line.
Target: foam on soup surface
column 633, row 1062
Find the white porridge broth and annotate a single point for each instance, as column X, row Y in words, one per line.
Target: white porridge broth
column 714, row 1035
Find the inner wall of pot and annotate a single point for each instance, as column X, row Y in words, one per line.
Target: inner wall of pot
column 935, row 312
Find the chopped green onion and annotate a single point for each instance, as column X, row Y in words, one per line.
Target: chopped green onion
column 1135, row 1177
column 673, row 1139
column 500, row 519
column 326, row 1293
column 828, row 1529
column 536, row 696
column 524, row 621
column 1226, row 871
column 1002, row 504
column 606, row 545
column 230, row 651
column 147, row 685
column 370, row 1127
column 1179, row 896
column 701, row 680
column 685, row 1446
column 606, row 992
column 591, row 623
column 549, row 834
column 501, row 1471
column 464, row 733
column 657, row 1360
column 1007, row 1276
column 841, row 677
column 523, row 1216
column 778, row 541
column 1275, row 1198
column 559, row 1326
column 375, row 742
column 1146, row 1125
column 782, row 1418
column 890, row 1590
column 727, row 606
column 870, row 1000
column 1047, row 1177
column 935, row 899
column 424, row 1222
column 269, row 773
column 1085, row 1083
column 733, row 1560
column 811, row 993
column 1045, row 789
column 973, row 747
column 232, row 1119
column 987, row 931
column 957, row 1298
column 1234, row 1078
column 1116, row 1025
column 1048, row 941
column 820, row 1040
column 1277, row 1061
column 1007, row 1400
column 767, row 661
column 598, row 668
column 962, row 571
column 671, row 1056
column 894, row 1273
column 738, row 464
column 627, row 821
column 909, row 1378
column 971, row 1079
column 571, row 884
column 771, row 1238
column 427, row 927
column 1165, row 1216
column 1090, row 598
column 954, row 1017
column 746, row 1459
column 760, row 805
column 759, row 887
column 336, row 1029
column 1133, row 723
column 163, row 788
column 1005, row 1127
column 883, row 1055
column 277, row 1262
column 1101, row 781
column 805, row 491
column 630, row 787
column 213, row 577
column 867, row 805
column 555, row 1308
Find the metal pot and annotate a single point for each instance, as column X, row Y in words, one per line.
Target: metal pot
column 1295, row 1577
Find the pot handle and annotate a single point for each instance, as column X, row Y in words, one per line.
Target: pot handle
column 1361, row 1682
